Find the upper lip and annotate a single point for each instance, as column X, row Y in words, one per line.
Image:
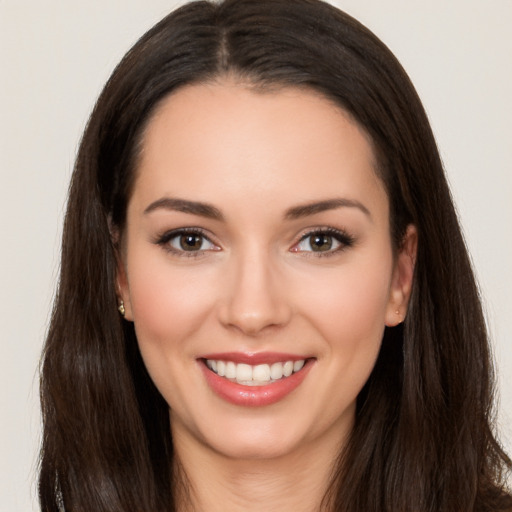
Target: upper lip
column 254, row 358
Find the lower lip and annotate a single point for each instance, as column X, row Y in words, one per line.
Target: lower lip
column 254, row 396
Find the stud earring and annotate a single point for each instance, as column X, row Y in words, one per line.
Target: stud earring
column 120, row 308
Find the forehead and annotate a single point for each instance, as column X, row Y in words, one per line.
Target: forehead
column 225, row 140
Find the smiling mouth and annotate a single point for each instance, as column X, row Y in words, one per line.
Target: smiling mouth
column 254, row 375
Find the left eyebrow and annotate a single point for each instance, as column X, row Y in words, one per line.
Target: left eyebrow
column 185, row 206
column 305, row 210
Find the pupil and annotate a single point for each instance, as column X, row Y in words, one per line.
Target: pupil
column 321, row 243
column 190, row 242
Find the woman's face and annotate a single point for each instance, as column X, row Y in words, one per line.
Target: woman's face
column 258, row 268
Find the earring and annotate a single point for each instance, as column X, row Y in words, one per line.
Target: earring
column 121, row 308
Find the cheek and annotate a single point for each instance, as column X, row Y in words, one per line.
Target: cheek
column 169, row 304
column 348, row 305
column 169, row 307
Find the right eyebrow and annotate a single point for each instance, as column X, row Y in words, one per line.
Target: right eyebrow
column 305, row 210
column 185, row 206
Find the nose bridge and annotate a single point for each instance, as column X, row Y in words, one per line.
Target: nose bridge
column 256, row 298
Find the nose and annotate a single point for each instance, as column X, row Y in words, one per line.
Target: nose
column 255, row 295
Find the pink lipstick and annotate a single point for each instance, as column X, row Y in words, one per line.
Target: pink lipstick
column 254, row 380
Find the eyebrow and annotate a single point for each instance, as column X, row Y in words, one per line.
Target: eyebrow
column 211, row 212
column 298, row 212
column 185, row 206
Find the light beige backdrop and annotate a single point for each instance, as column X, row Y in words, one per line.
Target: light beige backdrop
column 54, row 57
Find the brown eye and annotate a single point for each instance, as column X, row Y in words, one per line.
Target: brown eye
column 320, row 242
column 187, row 241
column 191, row 242
column 328, row 241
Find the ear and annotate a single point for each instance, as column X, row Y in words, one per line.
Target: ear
column 401, row 282
column 123, row 290
column 122, row 286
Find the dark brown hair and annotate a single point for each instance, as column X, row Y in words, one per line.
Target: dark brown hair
column 423, row 438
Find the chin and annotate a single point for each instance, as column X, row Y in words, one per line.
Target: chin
column 252, row 438
column 264, row 446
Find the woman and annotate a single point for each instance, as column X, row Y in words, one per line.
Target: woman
column 265, row 298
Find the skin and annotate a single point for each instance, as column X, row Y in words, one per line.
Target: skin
column 257, row 285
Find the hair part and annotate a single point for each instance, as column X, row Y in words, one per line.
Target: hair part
column 423, row 434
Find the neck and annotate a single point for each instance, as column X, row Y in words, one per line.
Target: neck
column 212, row 482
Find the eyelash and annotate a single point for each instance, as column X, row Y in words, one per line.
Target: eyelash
column 343, row 238
column 165, row 239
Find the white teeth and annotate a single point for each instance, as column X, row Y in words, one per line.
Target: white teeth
column 288, row 368
column 257, row 375
column 230, row 370
column 261, row 373
column 243, row 372
column 212, row 364
column 298, row 365
column 276, row 371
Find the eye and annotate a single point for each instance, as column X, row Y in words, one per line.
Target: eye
column 186, row 241
column 324, row 241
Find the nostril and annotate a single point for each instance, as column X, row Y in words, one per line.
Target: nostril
column 254, row 299
column 253, row 320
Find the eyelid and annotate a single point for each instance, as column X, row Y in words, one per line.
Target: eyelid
column 164, row 239
column 344, row 239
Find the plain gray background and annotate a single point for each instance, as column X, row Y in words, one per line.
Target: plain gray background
column 56, row 55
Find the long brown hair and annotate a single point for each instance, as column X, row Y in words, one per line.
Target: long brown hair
column 423, row 438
